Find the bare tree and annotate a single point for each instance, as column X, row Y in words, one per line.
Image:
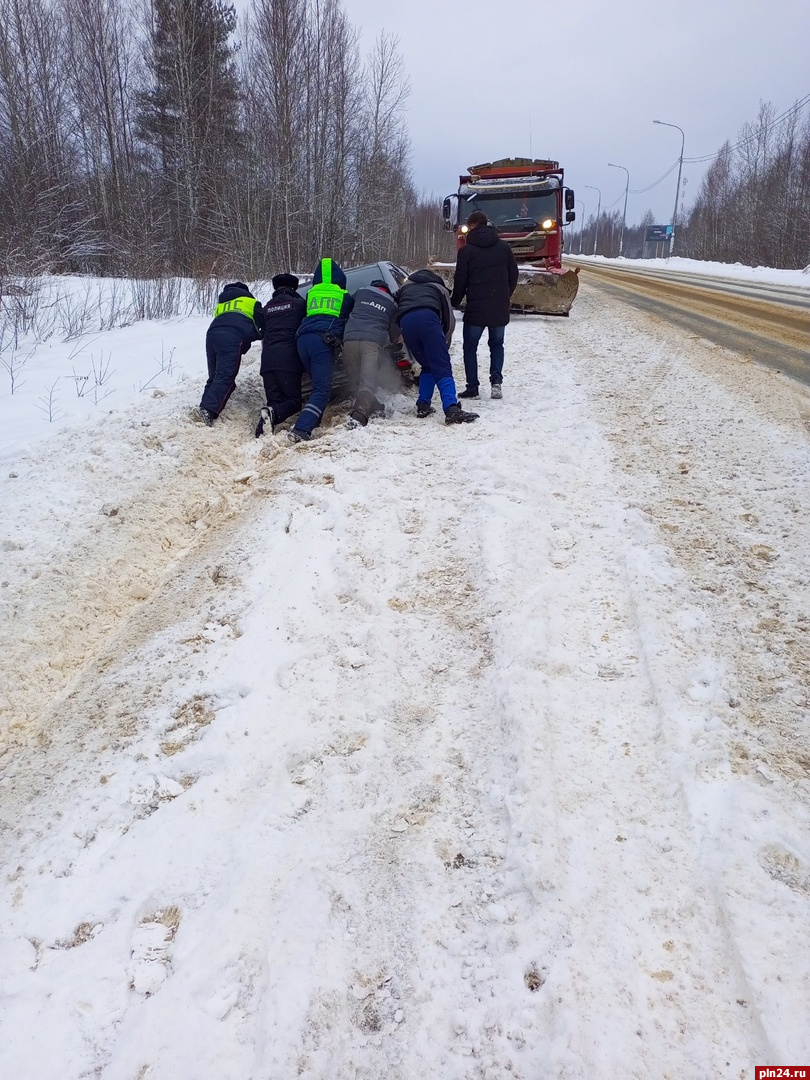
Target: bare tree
column 384, row 180
column 37, row 199
column 99, row 43
column 753, row 205
column 190, row 117
column 144, row 142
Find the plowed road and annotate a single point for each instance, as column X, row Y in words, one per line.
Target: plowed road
column 768, row 323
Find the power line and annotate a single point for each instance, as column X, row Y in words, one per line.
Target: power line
column 779, row 120
column 655, row 183
column 608, row 205
column 708, row 157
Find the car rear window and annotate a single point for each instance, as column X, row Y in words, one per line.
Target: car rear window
column 362, row 276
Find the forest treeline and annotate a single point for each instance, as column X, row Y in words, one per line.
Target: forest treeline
column 752, row 206
column 163, row 139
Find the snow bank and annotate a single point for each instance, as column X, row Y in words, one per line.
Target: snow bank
column 765, row 274
column 415, row 751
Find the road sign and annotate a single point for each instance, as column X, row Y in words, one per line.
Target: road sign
column 656, row 233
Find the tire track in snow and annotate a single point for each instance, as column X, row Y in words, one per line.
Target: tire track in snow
column 715, row 459
column 399, row 893
column 74, row 579
column 173, row 536
column 414, row 790
column 624, row 922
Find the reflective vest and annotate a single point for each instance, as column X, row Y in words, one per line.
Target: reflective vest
column 326, row 298
column 243, row 305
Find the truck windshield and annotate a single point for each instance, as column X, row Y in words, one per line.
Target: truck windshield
column 512, row 213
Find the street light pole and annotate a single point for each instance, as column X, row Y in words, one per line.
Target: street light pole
column 598, row 210
column 663, row 123
column 624, row 213
column 581, row 224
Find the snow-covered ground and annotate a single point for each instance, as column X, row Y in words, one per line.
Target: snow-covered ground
column 765, row 274
column 474, row 752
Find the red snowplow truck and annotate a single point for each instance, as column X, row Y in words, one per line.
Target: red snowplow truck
column 527, row 202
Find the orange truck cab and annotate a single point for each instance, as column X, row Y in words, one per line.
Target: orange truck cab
column 524, row 199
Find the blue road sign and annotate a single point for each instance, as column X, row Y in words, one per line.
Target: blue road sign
column 657, row 233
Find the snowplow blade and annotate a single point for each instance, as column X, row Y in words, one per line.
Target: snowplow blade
column 545, row 292
column 538, row 292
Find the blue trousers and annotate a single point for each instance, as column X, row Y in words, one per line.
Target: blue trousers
column 223, row 351
column 423, row 334
column 319, row 363
column 471, row 337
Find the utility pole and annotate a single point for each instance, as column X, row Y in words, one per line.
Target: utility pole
column 598, row 210
column 582, row 223
column 678, row 185
column 624, row 212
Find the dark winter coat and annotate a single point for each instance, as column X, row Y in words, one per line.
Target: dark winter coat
column 424, row 289
column 250, row 331
column 373, row 317
column 486, row 273
column 333, row 325
column 282, row 317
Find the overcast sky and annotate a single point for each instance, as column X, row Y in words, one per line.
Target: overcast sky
column 581, row 81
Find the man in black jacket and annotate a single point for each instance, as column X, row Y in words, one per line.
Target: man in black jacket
column 281, row 369
column 238, row 322
column 486, row 273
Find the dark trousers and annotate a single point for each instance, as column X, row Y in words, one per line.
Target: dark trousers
column 283, row 392
column 471, row 337
column 423, row 334
column 319, row 363
column 223, row 351
column 361, row 361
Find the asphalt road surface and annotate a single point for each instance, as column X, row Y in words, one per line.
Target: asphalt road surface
column 767, row 323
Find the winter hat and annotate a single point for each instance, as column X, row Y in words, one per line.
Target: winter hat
column 237, row 285
column 285, row 281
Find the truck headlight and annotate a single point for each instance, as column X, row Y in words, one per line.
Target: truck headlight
column 547, row 224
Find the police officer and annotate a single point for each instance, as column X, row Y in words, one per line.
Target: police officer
column 281, row 369
column 238, row 322
column 319, row 338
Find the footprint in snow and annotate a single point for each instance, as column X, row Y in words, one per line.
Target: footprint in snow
column 151, row 945
column 784, row 866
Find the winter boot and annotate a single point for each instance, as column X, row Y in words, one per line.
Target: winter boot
column 267, row 421
column 369, row 406
column 356, row 418
column 424, row 409
column 496, row 393
column 470, row 392
column 294, row 437
column 207, row 417
column 456, row 415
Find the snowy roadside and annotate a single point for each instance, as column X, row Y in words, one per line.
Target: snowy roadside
column 417, row 751
column 765, row 274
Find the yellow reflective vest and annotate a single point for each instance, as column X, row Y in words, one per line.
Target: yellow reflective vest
column 243, row 305
column 325, row 298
